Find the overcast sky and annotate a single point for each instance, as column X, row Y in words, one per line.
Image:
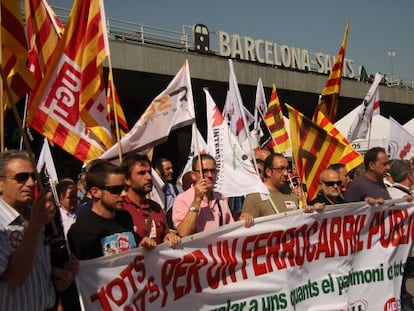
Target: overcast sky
column 318, row 26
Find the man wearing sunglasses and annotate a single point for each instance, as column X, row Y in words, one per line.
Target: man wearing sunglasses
column 106, row 228
column 330, row 192
column 26, row 274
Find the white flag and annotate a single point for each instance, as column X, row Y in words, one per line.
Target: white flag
column 401, row 143
column 234, row 108
column 172, row 109
column 45, row 159
column 236, row 175
column 362, row 122
column 198, row 146
column 157, row 194
column 260, row 110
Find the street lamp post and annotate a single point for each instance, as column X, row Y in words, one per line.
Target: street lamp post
column 391, row 54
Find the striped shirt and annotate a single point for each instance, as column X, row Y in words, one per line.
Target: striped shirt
column 36, row 292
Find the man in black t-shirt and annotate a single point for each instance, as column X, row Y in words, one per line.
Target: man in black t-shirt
column 106, row 228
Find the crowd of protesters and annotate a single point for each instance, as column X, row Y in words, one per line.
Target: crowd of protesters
column 113, row 202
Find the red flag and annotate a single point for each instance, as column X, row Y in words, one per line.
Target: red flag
column 14, row 52
column 111, row 100
column 328, row 102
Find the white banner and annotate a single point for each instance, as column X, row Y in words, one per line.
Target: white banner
column 171, row 109
column 236, row 175
column 401, row 143
column 348, row 257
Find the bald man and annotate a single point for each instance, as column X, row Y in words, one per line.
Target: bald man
column 330, row 192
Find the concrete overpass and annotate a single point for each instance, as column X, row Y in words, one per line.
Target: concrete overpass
column 142, row 71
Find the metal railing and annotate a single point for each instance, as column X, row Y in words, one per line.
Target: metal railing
column 136, row 33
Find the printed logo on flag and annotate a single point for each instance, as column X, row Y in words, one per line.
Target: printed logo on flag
column 61, row 99
column 392, row 304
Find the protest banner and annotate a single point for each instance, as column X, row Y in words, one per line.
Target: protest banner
column 348, row 257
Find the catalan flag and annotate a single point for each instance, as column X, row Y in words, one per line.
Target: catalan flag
column 350, row 157
column 328, row 101
column 69, row 107
column 14, row 53
column 112, row 100
column 44, row 30
column 276, row 124
column 313, row 149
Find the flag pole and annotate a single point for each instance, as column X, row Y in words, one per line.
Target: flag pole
column 118, row 138
column 26, row 101
column 3, row 107
column 105, row 35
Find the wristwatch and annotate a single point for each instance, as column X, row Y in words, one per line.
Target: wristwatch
column 194, row 209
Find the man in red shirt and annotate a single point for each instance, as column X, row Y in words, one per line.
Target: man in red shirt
column 147, row 215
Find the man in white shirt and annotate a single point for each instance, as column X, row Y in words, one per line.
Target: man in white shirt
column 25, row 270
column 66, row 192
column 403, row 175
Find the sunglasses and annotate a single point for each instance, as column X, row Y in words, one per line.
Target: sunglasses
column 117, row 189
column 22, row 177
column 332, row 183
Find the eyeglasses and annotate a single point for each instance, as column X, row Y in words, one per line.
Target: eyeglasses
column 332, row 183
column 117, row 189
column 208, row 170
column 22, row 177
column 281, row 169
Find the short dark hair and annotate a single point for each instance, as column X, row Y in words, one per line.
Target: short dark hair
column 9, row 155
column 268, row 162
column 203, row 156
column 400, row 169
column 62, row 187
column 98, row 172
column 157, row 164
column 372, row 155
column 130, row 160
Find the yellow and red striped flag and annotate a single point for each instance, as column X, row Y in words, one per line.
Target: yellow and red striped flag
column 313, row 149
column 350, row 157
column 69, row 107
column 111, row 100
column 44, row 30
column 14, row 53
column 328, row 101
column 275, row 122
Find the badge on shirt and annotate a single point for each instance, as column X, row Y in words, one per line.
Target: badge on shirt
column 290, row 205
column 117, row 243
